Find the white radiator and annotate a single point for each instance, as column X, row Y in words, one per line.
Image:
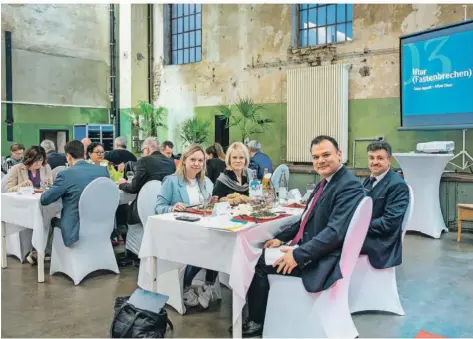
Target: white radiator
column 317, row 103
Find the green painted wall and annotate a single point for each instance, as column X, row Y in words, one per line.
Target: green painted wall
column 376, row 117
column 273, row 140
column 29, row 119
column 367, row 118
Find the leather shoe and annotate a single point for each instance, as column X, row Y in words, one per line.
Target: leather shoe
column 250, row 329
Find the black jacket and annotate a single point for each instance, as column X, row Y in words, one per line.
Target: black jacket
column 215, row 166
column 383, row 243
column 119, row 156
column 56, row 159
column 221, row 190
column 320, row 248
column 153, row 167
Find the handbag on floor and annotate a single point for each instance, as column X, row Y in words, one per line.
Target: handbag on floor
column 132, row 322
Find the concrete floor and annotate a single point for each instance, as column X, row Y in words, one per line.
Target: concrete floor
column 435, row 284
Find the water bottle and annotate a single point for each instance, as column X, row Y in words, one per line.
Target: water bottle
column 256, row 191
column 283, row 186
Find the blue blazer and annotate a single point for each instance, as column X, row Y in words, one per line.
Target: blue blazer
column 174, row 190
column 69, row 185
column 383, row 243
column 259, row 162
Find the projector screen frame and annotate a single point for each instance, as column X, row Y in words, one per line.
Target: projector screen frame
column 427, row 127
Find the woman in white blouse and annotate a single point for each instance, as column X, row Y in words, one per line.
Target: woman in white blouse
column 188, row 187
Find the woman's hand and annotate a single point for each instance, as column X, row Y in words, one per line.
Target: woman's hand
column 121, row 167
column 26, row 183
column 179, row 207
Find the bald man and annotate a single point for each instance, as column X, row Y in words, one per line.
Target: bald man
column 86, row 142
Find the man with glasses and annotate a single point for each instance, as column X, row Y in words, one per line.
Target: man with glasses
column 15, row 157
column 153, row 165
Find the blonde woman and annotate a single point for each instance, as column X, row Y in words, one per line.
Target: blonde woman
column 234, row 178
column 187, row 187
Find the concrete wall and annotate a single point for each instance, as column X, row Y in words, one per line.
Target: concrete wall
column 60, row 57
column 247, row 50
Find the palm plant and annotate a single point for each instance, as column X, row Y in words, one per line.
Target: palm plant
column 148, row 118
column 248, row 117
column 194, row 131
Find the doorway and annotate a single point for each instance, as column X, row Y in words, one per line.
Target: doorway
column 222, row 133
column 59, row 136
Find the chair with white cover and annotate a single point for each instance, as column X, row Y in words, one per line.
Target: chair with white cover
column 374, row 289
column 93, row 251
column 277, row 175
column 18, row 243
column 146, row 204
column 292, row 312
column 56, row 170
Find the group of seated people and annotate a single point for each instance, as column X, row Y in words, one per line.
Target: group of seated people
column 203, row 174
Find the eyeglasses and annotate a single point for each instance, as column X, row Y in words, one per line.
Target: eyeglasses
column 99, row 153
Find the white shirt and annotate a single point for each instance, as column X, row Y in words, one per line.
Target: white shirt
column 193, row 192
column 379, row 177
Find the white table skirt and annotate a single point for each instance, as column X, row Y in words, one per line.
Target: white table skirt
column 25, row 210
column 175, row 242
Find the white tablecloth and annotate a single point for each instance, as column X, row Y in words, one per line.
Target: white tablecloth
column 176, row 242
column 25, row 210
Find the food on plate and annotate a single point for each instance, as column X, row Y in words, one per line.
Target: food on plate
column 242, row 209
column 264, row 214
column 235, row 199
column 208, row 208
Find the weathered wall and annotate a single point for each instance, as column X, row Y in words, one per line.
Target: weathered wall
column 247, row 50
column 60, row 57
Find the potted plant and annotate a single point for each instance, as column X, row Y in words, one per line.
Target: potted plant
column 194, row 131
column 148, row 118
column 247, row 118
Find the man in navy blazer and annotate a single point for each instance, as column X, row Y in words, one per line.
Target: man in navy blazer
column 69, row 185
column 320, row 233
column 390, row 194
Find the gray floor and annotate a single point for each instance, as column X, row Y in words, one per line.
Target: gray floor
column 435, row 283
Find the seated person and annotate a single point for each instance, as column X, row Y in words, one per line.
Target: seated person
column 16, row 154
column 55, row 159
column 68, row 186
column 188, row 187
column 320, row 234
column 96, row 153
column 390, row 194
column 234, row 178
column 119, row 154
column 153, row 165
column 259, row 160
column 215, row 164
column 32, row 171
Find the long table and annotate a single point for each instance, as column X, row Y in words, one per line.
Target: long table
column 169, row 244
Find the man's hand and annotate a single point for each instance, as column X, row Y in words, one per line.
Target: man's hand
column 272, row 243
column 287, row 262
column 179, row 207
column 122, row 181
column 121, row 167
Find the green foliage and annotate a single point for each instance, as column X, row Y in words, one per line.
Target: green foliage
column 194, row 131
column 148, row 118
column 247, row 118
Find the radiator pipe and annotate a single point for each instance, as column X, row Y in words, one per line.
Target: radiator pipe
column 376, row 138
column 150, row 53
column 114, row 103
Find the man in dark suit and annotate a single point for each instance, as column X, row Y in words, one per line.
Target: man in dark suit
column 69, row 185
column 320, row 233
column 152, row 166
column 54, row 159
column 390, row 194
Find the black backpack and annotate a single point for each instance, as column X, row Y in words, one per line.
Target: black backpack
column 132, row 322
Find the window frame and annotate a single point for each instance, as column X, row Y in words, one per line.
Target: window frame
column 299, row 30
column 178, row 15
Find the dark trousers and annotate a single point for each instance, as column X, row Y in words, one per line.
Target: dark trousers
column 258, row 292
column 55, row 222
column 191, row 272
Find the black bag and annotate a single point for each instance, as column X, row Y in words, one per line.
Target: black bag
column 132, row 322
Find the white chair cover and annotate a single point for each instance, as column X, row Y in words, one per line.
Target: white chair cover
column 93, row 251
column 19, row 243
column 277, row 176
column 292, row 312
column 3, row 174
column 374, row 289
column 56, row 170
column 146, row 204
